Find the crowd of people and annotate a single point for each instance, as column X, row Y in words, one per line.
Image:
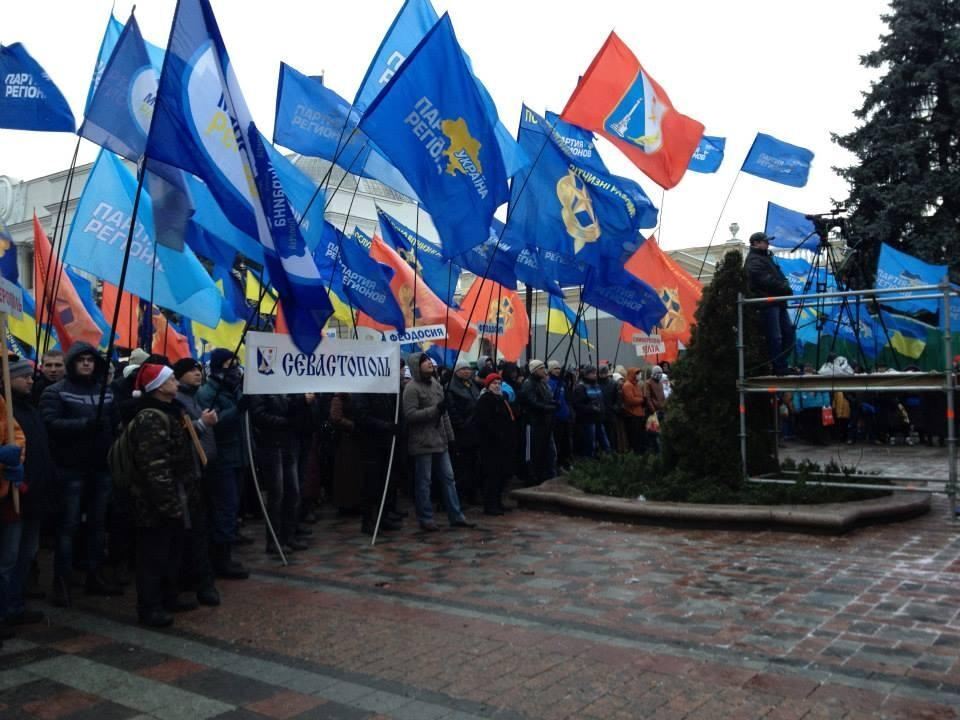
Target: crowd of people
column 141, row 472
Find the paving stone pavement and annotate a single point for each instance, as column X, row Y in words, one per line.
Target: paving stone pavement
column 531, row 615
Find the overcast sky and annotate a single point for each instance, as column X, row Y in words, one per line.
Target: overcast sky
column 782, row 67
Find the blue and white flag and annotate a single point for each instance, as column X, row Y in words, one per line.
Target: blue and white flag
column 493, row 259
column 176, row 280
column 293, row 271
column 314, row 120
column 897, row 269
column 423, row 256
column 110, row 37
column 432, row 123
column 28, row 98
column 366, row 283
column 302, row 194
column 562, row 206
column 709, row 154
column 8, row 256
column 776, row 160
column 530, row 271
column 119, row 112
column 625, row 296
column 789, row 229
column 797, row 271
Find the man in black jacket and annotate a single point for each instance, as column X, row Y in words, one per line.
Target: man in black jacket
column 79, row 440
column 766, row 279
column 373, row 419
column 462, row 395
column 536, row 399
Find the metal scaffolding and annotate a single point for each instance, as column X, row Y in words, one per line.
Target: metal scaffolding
column 871, row 382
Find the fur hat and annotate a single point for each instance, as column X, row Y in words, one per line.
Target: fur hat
column 150, row 377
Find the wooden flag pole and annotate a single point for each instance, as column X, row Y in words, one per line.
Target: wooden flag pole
column 11, row 438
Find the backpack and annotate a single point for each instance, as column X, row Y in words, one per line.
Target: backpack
column 121, row 457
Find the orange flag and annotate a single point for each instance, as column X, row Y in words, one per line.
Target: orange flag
column 166, row 340
column 69, row 317
column 678, row 290
column 490, row 301
column 618, row 99
column 128, row 321
column 430, row 309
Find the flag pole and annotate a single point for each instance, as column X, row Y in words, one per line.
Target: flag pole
column 532, row 331
column 719, row 218
column 386, row 483
column 496, row 325
column 49, row 293
column 416, row 262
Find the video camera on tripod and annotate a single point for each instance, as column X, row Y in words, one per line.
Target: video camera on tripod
column 825, row 223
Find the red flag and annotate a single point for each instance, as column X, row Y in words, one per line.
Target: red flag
column 166, row 340
column 430, row 310
column 618, row 99
column 69, row 317
column 678, row 290
column 485, row 298
column 129, row 319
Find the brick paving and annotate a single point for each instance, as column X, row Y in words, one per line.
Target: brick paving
column 533, row 615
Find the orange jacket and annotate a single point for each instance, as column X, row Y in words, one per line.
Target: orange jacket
column 633, row 401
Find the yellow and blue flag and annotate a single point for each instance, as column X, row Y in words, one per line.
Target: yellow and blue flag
column 561, row 320
column 432, row 123
column 907, row 336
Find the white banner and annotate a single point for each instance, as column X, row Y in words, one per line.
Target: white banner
column 276, row 366
column 648, row 344
column 426, row 333
column 11, row 298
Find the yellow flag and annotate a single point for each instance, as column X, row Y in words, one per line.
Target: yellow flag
column 252, row 291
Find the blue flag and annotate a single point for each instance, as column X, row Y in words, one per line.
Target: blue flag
column 366, row 283
column 216, row 238
column 110, row 37
column 314, row 120
column 530, row 271
column 797, row 271
column 432, row 123
column 302, row 194
column 708, row 155
column 775, row 160
column 8, row 256
column 29, row 100
column 897, row 269
column 119, row 112
column 411, row 24
column 789, row 229
column 200, row 119
column 578, row 212
column 98, row 237
column 293, row 271
column 233, row 306
column 623, row 295
column 423, row 256
column 494, row 260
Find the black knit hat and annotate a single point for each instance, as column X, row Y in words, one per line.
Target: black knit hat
column 184, row 365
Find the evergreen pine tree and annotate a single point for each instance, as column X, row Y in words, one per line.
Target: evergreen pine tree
column 700, row 432
column 905, row 191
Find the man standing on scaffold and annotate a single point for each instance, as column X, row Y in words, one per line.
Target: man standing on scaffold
column 766, row 279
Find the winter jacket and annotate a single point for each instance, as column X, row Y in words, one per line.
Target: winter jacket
column 634, row 403
column 165, row 490
column 587, row 403
column 69, row 409
column 559, row 391
column 428, row 431
column 228, row 431
column 187, row 397
column 462, row 396
column 537, row 402
column 7, row 512
column 764, row 276
column 653, row 393
column 38, row 467
column 611, row 398
column 495, row 423
column 278, row 420
column 373, row 418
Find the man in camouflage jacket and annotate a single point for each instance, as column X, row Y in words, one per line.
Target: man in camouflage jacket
column 165, row 493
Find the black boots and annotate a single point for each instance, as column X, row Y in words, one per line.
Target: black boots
column 156, row 618
column 224, row 565
column 60, row 595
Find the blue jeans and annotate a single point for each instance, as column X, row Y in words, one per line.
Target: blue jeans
column 82, row 491
column 223, row 502
column 18, row 546
column 781, row 336
column 435, row 466
column 589, row 437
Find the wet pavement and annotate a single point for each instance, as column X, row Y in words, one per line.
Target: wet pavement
column 533, row 615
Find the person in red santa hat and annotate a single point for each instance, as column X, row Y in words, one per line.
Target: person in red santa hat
column 165, row 492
